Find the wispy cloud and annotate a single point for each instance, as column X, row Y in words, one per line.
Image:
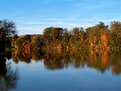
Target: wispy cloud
column 89, row 4
column 38, row 25
column 65, row 21
column 30, row 30
column 36, row 15
column 30, row 27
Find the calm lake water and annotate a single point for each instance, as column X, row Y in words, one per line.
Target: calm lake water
column 62, row 74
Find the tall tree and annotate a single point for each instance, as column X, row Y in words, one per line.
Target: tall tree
column 7, row 29
column 115, row 35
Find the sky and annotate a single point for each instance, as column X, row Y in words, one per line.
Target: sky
column 32, row 16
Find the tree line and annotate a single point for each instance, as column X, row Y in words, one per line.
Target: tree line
column 60, row 47
column 97, row 38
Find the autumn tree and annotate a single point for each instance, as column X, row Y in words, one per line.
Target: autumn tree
column 94, row 35
column 65, row 39
column 52, row 36
column 13, row 40
column 115, row 36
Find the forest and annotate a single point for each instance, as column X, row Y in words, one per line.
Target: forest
column 78, row 47
column 98, row 38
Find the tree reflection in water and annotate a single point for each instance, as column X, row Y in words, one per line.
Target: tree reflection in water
column 8, row 73
column 56, row 59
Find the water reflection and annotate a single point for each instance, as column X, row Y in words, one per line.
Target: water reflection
column 57, row 59
column 8, row 74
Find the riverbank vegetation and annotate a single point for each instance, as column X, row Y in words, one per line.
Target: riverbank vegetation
column 60, row 47
column 98, row 38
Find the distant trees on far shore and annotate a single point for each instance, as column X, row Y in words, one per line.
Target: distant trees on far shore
column 98, row 38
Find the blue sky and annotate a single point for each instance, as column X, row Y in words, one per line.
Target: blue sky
column 32, row 16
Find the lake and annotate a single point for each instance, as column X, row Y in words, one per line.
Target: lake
column 61, row 73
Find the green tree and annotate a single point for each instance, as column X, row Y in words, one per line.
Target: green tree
column 7, row 29
column 115, row 36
